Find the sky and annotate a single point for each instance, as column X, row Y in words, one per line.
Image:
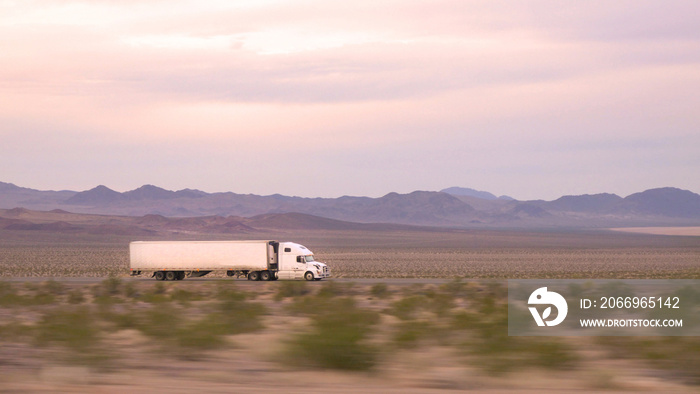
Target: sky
column 531, row 99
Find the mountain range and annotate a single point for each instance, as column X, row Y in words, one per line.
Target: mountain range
column 452, row 207
column 59, row 221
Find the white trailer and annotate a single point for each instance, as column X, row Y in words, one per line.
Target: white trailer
column 255, row 260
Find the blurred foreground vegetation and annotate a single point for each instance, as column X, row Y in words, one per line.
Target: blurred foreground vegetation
column 332, row 325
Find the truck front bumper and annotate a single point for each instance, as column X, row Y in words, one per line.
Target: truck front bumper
column 323, row 273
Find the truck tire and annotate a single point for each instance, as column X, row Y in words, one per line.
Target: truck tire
column 309, row 276
column 170, row 275
column 160, row 275
column 255, row 275
column 265, row 275
column 180, row 275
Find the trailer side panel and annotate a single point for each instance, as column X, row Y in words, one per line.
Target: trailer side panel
column 199, row 255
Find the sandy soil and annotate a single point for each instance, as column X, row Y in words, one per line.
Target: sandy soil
column 129, row 361
column 689, row 231
column 256, row 361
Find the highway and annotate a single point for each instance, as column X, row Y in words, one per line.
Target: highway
column 244, row 282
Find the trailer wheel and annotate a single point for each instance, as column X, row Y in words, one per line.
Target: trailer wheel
column 265, row 275
column 255, row 275
column 309, row 276
column 170, row 275
column 180, row 275
column 160, row 275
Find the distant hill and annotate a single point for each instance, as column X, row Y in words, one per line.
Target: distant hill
column 20, row 219
column 452, row 207
column 8, row 187
column 150, row 192
column 12, row 196
column 99, row 195
column 602, row 203
column 663, row 202
column 465, row 191
column 667, row 201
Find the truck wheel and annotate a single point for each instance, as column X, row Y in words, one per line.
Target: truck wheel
column 265, row 275
column 309, row 276
column 255, row 275
column 170, row 275
column 160, row 275
column 180, row 275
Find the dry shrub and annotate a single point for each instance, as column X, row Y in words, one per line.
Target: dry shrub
column 289, row 289
column 337, row 338
column 74, row 328
column 680, row 356
column 380, row 290
column 493, row 350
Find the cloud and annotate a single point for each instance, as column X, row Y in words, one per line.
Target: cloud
column 316, row 52
column 481, row 86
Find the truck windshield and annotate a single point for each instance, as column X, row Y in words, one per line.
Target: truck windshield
column 309, row 259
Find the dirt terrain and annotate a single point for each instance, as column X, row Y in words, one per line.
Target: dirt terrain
column 690, row 231
column 122, row 335
column 447, row 332
column 418, row 253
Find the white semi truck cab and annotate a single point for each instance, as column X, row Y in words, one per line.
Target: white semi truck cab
column 295, row 261
column 255, row 260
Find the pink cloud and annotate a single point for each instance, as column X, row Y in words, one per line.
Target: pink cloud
column 369, row 77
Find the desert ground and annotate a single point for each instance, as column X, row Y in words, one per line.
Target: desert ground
column 689, row 230
column 408, row 311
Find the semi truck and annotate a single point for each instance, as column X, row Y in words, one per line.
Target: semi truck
column 254, row 260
